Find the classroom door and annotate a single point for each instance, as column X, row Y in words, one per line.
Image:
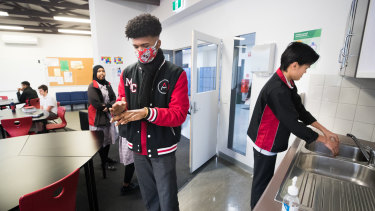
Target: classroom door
column 205, row 74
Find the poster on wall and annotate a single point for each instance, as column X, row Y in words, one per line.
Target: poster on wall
column 311, row 38
column 106, row 59
column 64, row 65
column 76, row 65
column 57, row 71
column 52, row 62
column 118, row 60
column 68, row 77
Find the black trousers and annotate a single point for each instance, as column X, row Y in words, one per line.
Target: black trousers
column 129, row 171
column 158, row 181
column 264, row 167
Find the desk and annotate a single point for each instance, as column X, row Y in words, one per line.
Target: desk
column 7, row 103
column 29, row 163
column 8, row 114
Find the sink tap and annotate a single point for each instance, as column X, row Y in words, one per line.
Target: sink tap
column 367, row 151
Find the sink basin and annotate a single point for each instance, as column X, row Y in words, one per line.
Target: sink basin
column 338, row 169
column 346, row 151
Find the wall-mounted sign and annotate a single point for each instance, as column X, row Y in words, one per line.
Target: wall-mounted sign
column 178, row 5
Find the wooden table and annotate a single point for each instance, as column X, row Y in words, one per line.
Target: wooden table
column 29, row 163
column 8, row 114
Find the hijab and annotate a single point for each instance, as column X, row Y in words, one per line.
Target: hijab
column 95, row 73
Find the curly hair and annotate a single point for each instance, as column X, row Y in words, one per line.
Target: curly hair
column 142, row 26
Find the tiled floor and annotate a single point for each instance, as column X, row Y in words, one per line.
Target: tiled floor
column 219, row 185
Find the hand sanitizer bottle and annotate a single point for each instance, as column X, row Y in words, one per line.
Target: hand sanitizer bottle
column 291, row 200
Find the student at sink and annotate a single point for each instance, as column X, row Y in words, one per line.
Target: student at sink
column 279, row 112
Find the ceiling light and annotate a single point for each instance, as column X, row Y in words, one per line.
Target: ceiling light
column 17, row 39
column 73, row 31
column 3, row 13
column 80, row 20
column 238, row 38
column 12, row 27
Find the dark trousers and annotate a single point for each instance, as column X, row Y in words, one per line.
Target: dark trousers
column 129, row 171
column 157, row 181
column 264, row 167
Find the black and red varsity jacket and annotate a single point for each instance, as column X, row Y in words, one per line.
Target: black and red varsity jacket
column 277, row 113
column 97, row 117
column 159, row 133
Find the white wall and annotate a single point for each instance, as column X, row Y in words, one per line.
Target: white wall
column 108, row 21
column 273, row 21
column 20, row 62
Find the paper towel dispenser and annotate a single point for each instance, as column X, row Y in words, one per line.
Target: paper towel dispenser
column 262, row 58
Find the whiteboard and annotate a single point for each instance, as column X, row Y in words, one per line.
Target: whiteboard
column 15, row 70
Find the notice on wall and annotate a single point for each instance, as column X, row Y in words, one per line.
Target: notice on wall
column 311, row 38
column 59, row 80
column 52, row 79
column 106, row 60
column 68, row 76
column 52, row 62
column 76, row 64
column 57, row 71
column 64, row 65
column 118, row 60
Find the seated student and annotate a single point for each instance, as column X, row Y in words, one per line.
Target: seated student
column 47, row 102
column 27, row 92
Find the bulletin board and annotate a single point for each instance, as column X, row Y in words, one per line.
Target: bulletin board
column 63, row 71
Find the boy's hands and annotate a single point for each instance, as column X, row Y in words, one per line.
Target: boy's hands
column 118, row 108
column 129, row 116
column 331, row 144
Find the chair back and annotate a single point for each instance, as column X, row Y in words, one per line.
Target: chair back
column 3, row 97
column 61, row 114
column 35, row 102
column 17, row 126
column 58, row 104
column 59, row 196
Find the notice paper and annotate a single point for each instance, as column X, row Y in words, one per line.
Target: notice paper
column 57, row 71
column 52, row 79
column 68, row 76
column 76, row 64
column 60, row 80
column 52, row 62
column 64, row 65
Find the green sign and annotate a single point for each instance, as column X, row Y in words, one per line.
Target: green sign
column 307, row 34
column 177, row 4
column 64, row 65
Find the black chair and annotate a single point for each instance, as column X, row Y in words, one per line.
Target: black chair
column 84, row 119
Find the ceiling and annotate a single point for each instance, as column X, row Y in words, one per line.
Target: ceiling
column 36, row 16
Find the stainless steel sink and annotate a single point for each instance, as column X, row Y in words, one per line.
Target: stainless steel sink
column 345, row 151
column 338, row 169
column 342, row 183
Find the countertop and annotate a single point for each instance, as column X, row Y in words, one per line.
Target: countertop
column 267, row 200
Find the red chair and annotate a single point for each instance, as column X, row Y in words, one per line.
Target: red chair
column 17, row 126
column 61, row 114
column 58, row 104
column 45, row 199
column 35, row 102
column 3, row 97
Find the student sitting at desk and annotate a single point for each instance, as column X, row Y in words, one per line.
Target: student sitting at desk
column 47, row 102
column 27, row 93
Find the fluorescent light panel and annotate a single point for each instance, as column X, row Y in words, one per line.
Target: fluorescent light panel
column 80, row 20
column 238, row 38
column 69, row 31
column 17, row 39
column 3, row 13
column 11, row 27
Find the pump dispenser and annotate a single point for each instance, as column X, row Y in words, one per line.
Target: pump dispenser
column 291, row 200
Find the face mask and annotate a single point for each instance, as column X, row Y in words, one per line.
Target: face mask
column 147, row 55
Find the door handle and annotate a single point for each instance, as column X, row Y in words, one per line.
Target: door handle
column 194, row 108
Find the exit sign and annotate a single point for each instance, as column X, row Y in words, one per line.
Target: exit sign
column 178, row 5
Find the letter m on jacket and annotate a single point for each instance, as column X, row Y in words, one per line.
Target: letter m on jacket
column 132, row 87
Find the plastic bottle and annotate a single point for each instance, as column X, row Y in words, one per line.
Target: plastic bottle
column 291, row 200
column 12, row 107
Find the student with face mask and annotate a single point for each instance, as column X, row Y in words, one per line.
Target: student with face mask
column 153, row 103
column 101, row 98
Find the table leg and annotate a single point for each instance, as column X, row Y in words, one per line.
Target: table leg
column 2, row 131
column 88, row 185
column 91, row 185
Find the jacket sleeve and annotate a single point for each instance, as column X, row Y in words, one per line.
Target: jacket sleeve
column 178, row 106
column 19, row 97
column 93, row 99
column 112, row 97
column 304, row 115
column 121, row 87
column 286, row 112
